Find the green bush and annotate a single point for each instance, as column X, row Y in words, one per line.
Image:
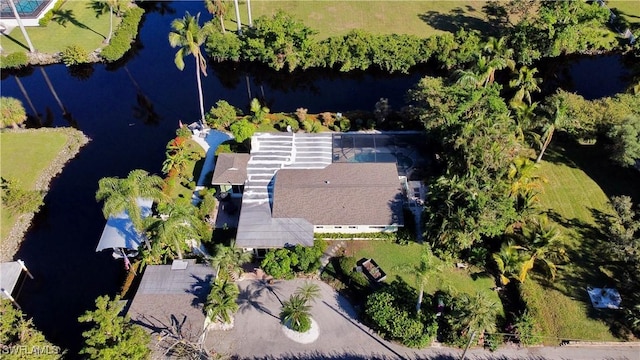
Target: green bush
column 395, row 323
column 222, row 115
column 221, row 47
column 123, row 36
column 14, row 60
column 284, row 263
column 242, row 130
column 74, row 55
column 527, row 330
column 348, row 268
column 287, row 121
column 19, row 201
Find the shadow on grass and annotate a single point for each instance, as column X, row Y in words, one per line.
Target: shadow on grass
column 593, row 160
column 589, row 266
column 63, row 17
column 15, row 41
column 454, row 21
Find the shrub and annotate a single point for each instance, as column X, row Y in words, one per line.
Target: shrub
column 312, row 126
column 242, row 130
column 284, row 263
column 14, row 60
column 287, row 121
column 222, row 115
column 124, row 35
column 221, row 47
column 348, row 268
column 527, row 330
column 301, row 114
column 12, row 112
column 74, row 55
column 19, row 201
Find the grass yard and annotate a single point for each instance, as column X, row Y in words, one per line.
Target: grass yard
column 580, row 181
column 330, row 18
column 630, row 9
column 83, row 29
column 23, row 157
column 389, row 255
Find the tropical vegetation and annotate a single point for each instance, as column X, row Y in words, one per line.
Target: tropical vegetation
column 113, row 336
column 16, row 331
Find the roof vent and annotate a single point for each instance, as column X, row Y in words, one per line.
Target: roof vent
column 327, row 182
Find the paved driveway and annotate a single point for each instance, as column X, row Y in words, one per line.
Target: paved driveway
column 258, row 334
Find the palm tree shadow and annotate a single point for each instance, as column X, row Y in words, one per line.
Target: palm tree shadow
column 15, row 41
column 200, row 288
column 454, row 21
column 63, row 17
column 248, row 299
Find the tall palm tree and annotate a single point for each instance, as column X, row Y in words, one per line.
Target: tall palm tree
column 526, row 83
column 229, row 260
column 235, row 4
column 500, row 55
column 188, row 36
column 177, row 225
column 221, row 302
column 21, row 25
column 249, row 13
column 101, row 7
column 558, row 119
column 296, row 313
column 218, row 8
column 122, row 195
column 429, row 265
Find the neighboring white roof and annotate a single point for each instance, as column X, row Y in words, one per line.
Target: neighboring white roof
column 119, row 231
column 9, row 275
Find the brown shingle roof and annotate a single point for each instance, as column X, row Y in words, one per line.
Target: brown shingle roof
column 340, row 194
column 230, row 168
column 166, row 296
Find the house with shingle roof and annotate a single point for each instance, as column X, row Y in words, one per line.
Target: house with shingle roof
column 298, row 184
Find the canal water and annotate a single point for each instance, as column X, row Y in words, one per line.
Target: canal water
column 131, row 110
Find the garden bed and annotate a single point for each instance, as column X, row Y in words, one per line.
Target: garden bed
column 373, row 271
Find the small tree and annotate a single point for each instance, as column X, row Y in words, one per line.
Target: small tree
column 229, row 260
column 12, row 113
column 625, row 141
column 221, row 301
column 296, row 313
column 242, row 130
column 222, row 115
column 17, row 332
column 113, row 336
column 309, row 291
column 259, row 112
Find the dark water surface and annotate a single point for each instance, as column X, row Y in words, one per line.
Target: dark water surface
column 109, row 107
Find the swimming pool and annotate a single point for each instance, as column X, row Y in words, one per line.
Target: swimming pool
column 26, row 8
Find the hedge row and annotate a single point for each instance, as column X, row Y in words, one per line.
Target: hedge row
column 123, row 36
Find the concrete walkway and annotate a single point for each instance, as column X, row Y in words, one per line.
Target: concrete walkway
column 258, row 334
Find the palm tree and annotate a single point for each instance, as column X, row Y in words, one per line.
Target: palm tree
column 558, row 120
column 221, row 302
column 229, row 260
column 235, row 4
column 296, row 313
column 509, row 260
column 218, row 8
column 428, row 266
column 500, row 55
column 101, row 7
column 545, row 241
column 21, row 25
column 188, row 36
column 177, row 225
column 477, row 313
column 309, row 291
column 122, row 195
column 468, row 78
column 522, row 175
column 526, row 84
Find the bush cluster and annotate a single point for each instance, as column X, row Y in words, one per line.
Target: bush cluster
column 348, row 267
column 74, row 55
column 390, row 314
column 14, row 60
column 284, row 263
column 123, row 36
column 19, row 201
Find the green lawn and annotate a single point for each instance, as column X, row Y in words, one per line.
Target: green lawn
column 329, row 18
column 630, row 9
column 580, row 180
column 23, row 157
column 389, row 255
column 193, row 168
column 83, row 29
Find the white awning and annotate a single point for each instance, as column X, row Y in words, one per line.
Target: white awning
column 119, row 231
